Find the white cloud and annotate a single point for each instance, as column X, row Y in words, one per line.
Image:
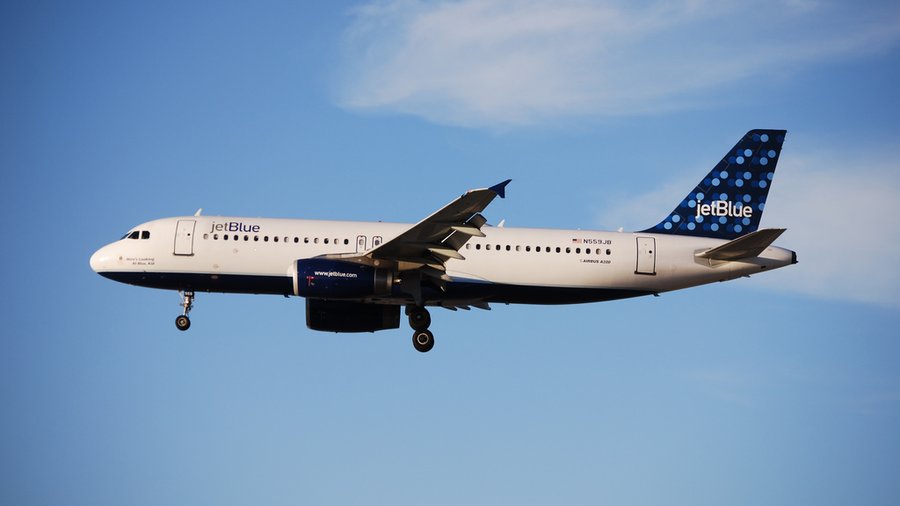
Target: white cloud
column 842, row 212
column 500, row 63
column 843, row 219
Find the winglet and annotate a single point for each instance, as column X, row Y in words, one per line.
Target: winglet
column 500, row 188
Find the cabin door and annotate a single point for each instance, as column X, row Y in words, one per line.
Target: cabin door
column 184, row 237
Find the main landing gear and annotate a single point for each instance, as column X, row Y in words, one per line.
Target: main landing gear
column 183, row 322
column 419, row 320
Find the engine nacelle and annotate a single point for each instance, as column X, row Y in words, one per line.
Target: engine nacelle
column 349, row 316
column 333, row 279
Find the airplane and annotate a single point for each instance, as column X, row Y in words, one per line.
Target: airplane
column 356, row 276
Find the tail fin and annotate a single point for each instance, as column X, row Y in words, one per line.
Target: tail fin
column 729, row 201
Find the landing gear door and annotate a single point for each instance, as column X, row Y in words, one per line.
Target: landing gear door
column 646, row 256
column 184, row 237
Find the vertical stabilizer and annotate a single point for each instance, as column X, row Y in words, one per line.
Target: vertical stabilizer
column 730, row 200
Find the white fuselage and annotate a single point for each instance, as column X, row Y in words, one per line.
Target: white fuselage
column 516, row 265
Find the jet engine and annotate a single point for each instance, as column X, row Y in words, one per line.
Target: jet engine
column 322, row 278
column 349, row 316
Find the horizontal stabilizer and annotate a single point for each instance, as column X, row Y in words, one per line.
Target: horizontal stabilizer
column 746, row 246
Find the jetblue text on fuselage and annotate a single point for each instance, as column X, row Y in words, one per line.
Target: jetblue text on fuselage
column 234, row 226
column 724, row 208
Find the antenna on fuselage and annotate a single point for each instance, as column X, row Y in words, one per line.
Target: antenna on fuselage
column 198, row 212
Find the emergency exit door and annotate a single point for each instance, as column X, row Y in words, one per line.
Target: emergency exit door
column 646, row 256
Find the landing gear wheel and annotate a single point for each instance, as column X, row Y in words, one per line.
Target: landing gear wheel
column 419, row 318
column 183, row 322
column 423, row 340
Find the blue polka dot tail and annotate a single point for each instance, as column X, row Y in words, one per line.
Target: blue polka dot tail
column 729, row 201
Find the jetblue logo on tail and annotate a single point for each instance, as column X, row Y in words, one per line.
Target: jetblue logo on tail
column 724, row 208
column 729, row 201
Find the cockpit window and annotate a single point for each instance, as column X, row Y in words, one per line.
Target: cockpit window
column 137, row 234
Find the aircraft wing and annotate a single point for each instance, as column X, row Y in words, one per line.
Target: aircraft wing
column 428, row 244
column 439, row 237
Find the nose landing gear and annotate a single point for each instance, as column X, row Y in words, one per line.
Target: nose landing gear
column 183, row 322
column 419, row 320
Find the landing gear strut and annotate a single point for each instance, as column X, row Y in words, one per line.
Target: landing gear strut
column 183, row 322
column 419, row 320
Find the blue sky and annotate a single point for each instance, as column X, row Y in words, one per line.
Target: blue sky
column 779, row 389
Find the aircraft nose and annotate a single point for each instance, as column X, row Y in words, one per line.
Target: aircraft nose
column 100, row 259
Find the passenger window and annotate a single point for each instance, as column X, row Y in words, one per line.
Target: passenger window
column 528, row 248
column 326, row 240
column 609, row 252
column 246, row 238
column 225, row 237
column 255, row 238
column 275, row 238
column 537, row 249
column 477, row 246
column 266, row 239
column 205, row 236
column 215, row 237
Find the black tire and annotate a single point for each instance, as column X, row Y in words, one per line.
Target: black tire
column 183, row 323
column 419, row 318
column 423, row 340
